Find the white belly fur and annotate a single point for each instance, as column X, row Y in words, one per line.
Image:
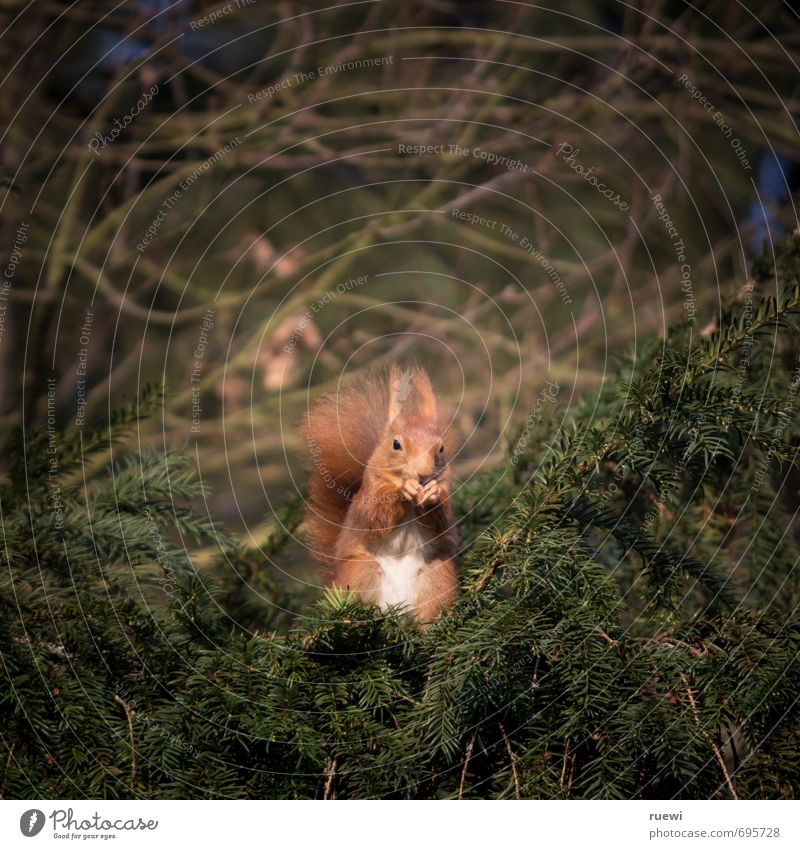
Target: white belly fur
column 401, row 560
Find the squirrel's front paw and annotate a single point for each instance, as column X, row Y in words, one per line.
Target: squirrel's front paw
column 429, row 494
column 410, row 490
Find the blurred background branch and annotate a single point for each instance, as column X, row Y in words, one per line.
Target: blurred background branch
column 204, row 183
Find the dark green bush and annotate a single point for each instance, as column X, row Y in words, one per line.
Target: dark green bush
column 628, row 626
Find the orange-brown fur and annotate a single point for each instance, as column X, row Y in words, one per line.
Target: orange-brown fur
column 372, row 505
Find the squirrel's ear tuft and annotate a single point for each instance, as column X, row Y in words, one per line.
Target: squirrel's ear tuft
column 424, row 397
column 410, row 386
column 395, row 392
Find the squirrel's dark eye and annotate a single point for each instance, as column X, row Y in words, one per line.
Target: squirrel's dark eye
column 441, row 449
column 396, row 445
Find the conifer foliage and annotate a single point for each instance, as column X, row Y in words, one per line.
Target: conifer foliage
column 628, row 625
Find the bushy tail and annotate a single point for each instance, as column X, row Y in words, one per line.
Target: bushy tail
column 341, row 430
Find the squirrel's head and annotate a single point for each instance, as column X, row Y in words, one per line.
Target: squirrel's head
column 413, row 444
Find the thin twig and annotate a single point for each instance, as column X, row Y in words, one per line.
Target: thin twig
column 330, row 772
column 714, row 747
column 513, row 759
column 129, row 715
column 467, row 756
column 564, row 763
column 602, row 633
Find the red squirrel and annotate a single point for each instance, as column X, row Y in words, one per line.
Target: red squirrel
column 378, row 515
